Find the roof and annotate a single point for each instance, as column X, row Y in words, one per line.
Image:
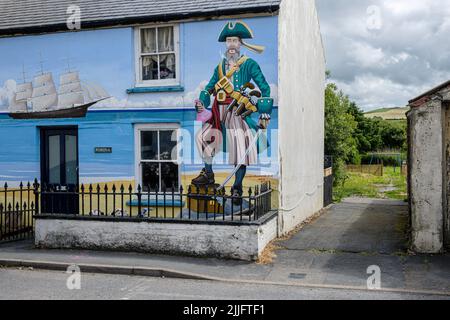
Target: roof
column 425, row 97
column 38, row 16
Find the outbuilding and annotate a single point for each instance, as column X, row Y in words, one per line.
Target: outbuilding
column 429, row 169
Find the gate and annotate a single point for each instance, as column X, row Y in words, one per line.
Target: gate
column 17, row 207
column 328, row 181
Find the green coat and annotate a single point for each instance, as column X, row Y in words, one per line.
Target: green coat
column 249, row 71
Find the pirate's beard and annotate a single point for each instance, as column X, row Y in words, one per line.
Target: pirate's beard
column 233, row 57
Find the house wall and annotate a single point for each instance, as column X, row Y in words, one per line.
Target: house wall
column 301, row 112
column 243, row 242
column 105, row 59
column 426, row 170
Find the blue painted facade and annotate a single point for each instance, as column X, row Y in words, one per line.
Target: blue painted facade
column 107, row 58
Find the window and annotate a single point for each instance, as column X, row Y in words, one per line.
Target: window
column 157, row 55
column 157, row 158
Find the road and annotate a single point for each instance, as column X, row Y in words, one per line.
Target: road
column 33, row 284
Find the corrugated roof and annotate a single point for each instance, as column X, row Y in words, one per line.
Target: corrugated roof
column 35, row 16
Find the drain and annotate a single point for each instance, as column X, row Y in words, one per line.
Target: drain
column 297, row 275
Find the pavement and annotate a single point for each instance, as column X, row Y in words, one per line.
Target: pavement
column 333, row 252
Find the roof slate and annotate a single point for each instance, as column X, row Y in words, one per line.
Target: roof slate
column 32, row 16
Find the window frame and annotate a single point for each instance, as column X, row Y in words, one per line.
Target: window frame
column 139, row 82
column 139, row 128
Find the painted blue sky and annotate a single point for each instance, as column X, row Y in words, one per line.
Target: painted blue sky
column 106, row 58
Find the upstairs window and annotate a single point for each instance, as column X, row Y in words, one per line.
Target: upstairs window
column 157, row 55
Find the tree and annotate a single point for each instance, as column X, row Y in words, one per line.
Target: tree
column 340, row 126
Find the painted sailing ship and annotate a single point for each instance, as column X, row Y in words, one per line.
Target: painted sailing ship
column 40, row 99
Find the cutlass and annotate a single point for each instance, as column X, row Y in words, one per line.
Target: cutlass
column 242, row 160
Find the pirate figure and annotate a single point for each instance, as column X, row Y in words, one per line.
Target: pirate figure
column 235, row 99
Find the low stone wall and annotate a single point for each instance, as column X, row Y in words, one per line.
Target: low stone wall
column 205, row 239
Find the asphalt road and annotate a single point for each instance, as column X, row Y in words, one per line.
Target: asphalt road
column 18, row 284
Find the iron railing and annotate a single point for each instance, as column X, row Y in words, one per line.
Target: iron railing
column 17, row 207
column 125, row 202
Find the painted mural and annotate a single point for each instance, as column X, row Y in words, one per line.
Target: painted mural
column 40, row 99
column 152, row 76
column 235, row 100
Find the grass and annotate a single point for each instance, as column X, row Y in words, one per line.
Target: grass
column 388, row 113
column 369, row 186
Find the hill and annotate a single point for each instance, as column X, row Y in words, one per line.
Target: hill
column 388, row 113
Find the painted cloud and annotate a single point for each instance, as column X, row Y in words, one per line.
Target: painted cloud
column 6, row 94
column 167, row 100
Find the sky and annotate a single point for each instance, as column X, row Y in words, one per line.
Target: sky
column 383, row 53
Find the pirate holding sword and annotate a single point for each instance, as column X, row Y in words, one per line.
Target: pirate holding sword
column 235, row 100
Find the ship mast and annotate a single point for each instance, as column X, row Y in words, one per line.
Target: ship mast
column 20, row 97
column 44, row 97
column 70, row 91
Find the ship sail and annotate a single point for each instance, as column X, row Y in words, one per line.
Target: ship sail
column 18, row 102
column 70, row 91
column 69, row 77
column 16, row 105
column 43, row 79
column 70, row 87
column 24, row 91
column 44, row 96
column 44, row 103
column 70, row 99
column 43, row 91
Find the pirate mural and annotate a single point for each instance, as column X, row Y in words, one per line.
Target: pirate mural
column 229, row 123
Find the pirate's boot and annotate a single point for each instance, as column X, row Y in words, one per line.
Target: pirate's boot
column 204, row 179
column 237, row 197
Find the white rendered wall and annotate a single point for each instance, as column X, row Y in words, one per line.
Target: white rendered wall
column 245, row 242
column 301, row 112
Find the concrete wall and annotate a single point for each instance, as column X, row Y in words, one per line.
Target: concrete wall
column 301, row 112
column 446, row 107
column 206, row 240
column 427, row 177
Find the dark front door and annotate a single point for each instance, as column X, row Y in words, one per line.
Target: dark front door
column 59, row 170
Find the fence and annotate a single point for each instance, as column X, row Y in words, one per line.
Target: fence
column 328, row 181
column 404, row 170
column 198, row 203
column 17, row 207
column 375, row 169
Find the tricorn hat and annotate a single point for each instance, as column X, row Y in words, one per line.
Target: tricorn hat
column 242, row 30
column 236, row 29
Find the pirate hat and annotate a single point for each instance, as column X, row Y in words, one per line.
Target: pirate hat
column 242, row 30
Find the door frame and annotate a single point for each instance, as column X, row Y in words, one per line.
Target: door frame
column 43, row 155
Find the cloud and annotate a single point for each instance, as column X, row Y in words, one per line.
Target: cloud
column 167, row 100
column 6, row 94
column 399, row 47
column 372, row 91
